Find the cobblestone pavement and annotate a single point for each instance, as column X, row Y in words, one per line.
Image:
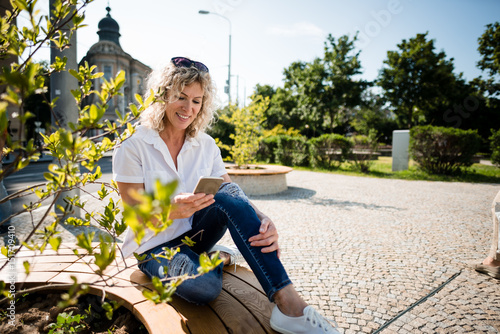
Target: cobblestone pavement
column 388, row 256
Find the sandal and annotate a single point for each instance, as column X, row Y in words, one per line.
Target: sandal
column 488, row 270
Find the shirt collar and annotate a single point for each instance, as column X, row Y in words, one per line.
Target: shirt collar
column 152, row 137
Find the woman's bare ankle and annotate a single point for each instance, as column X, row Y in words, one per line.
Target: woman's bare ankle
column 289, row 302
column 489, row 261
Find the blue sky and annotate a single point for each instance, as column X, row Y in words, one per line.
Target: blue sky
column 267, row 36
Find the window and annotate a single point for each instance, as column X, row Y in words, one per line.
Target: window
column 108, row 72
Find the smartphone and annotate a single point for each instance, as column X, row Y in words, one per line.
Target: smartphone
column 208, row 185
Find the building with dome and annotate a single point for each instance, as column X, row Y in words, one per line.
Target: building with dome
column 110, row 58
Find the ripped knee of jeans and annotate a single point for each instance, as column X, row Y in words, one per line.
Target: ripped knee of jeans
column 233, row 190
column 181, row 264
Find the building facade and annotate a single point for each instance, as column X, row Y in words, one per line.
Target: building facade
column 110, row 58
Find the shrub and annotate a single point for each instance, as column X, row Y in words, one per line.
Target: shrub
column 267, row 147
column 328, row 150
column 442, row 150
column 280, row 130
column 247, row 133
column 291, row 151
column 222, row 130
column 495, row 147
column 364, row 149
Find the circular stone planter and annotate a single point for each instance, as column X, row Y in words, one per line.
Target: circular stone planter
column 260, row 179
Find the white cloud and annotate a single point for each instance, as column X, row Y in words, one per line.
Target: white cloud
column 297, row 29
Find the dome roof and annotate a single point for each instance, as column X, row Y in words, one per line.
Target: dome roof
column 109, row 30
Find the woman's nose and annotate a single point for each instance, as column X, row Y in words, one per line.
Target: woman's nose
column 186, row 106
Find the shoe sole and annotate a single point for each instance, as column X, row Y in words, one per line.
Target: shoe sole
column 280, row 330
column 487, row 271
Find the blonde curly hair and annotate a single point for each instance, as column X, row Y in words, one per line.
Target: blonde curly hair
column 168, row 82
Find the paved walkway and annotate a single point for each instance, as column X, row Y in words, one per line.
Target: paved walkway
column 363, row 250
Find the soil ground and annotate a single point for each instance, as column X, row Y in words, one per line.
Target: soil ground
column 35, row 312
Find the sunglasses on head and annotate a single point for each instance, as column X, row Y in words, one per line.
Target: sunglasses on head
column 186, row 62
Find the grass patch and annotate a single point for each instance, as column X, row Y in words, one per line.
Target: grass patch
column 382, row 168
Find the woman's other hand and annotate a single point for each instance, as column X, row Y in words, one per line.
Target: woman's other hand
column 185, row 204
column 267, row 237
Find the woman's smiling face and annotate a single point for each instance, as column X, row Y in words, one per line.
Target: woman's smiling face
column 182, row 112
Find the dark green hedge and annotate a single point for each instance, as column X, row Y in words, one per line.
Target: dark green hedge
column 292, row 151
column 329, row 150
column 267, row 146
column 285, row 150
column 495, row 147
column 443, row 150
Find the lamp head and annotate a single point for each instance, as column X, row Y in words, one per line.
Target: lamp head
column 203, row 12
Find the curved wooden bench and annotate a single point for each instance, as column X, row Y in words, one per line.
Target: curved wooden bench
column 242, row 307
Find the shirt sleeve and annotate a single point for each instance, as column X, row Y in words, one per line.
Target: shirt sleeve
column 219, row 167
column 127, row 164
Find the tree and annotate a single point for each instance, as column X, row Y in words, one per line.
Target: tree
column 373, row 114
column 488, row 89
column 248, row 130
column 416, row 80
column 489, row 48
column 318, row 96
column 72, row 148
column 303, row 90
column 342, row 91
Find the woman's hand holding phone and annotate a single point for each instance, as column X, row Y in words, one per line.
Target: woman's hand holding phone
column 208, row 185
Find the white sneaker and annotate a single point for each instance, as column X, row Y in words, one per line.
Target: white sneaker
column 234, row 254
column 311, row 323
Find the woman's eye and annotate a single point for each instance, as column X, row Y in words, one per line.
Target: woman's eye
column 196, row 102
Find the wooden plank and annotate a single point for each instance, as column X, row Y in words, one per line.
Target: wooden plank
column 135, row 276
column 36, row 278
column 82, row 268
column 200, row 319
column 235, row 316
column 65, row 277
column 24, row 252
column 46, row 266
column 160, row 319
column 253, row 300
column 127, row 295
column 246, row 275
column 242, row 307
column 48, row 259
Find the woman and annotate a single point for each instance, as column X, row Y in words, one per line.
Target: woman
column 170, row 145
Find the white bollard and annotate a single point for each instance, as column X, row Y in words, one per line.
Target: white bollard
column 400, row 145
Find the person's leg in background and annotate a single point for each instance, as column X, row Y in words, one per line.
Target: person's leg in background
column 491, row 264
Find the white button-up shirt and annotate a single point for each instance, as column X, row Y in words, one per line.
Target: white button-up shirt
column 144, row 158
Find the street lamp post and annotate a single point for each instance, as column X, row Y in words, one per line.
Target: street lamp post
column 229, row 65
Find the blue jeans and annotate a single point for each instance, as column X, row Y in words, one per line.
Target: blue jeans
column 232, row 211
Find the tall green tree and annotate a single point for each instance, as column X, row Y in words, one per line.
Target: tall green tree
column 416, row 80
column 303, row 90
column 281, row 110
column 489, row 87
column 489, row 48
column 319, row 96
column 374, row 115
column 342, row 91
